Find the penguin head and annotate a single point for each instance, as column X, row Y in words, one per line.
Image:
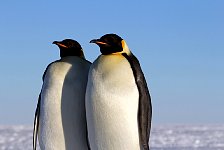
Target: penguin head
column 69, row 47
column 111, row 44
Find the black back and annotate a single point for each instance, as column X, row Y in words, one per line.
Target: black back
column 145, row 106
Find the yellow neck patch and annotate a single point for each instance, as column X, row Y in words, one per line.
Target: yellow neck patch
column 125, row 48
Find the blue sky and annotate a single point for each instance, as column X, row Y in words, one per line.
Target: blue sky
column 180, row 45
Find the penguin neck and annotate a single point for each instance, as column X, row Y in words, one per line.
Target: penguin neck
column 67, row 52
column 125, row 48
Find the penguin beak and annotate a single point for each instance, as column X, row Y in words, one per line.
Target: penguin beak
column 59, row 44
column 55, row 42
column 98, row 42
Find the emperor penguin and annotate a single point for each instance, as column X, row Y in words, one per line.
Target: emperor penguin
column 118, row 103
column 60, row 117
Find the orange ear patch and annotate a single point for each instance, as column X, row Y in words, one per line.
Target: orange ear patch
column 125, row 47
column 123, row 44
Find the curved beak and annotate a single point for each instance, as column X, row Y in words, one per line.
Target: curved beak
column 98, row 42
column 55, row 42
column 94, row 41
column 59, row 44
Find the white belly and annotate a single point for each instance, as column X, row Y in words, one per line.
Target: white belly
column 62, row 110
column 112, row 105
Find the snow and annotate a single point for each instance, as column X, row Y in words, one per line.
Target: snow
column 15, row 137
column 163, row 137
column 187, row 137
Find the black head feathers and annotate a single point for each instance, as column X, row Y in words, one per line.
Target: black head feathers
column 69, row 47
column 109, row 43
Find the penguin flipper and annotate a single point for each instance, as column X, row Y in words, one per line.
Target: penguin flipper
column 36, row 124
column 144, row 106
column 144, row 113
column 37, row 112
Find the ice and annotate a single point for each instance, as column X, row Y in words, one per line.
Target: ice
column 163, row 137
column 15, row 137
column 187, row 137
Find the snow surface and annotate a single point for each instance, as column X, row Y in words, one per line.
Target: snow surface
column 163, row 137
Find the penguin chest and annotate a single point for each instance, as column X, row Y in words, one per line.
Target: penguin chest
column 112, row 104
column 114, row 79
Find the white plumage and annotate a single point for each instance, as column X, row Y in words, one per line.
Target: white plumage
column 112, row 104
column 62, row 120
